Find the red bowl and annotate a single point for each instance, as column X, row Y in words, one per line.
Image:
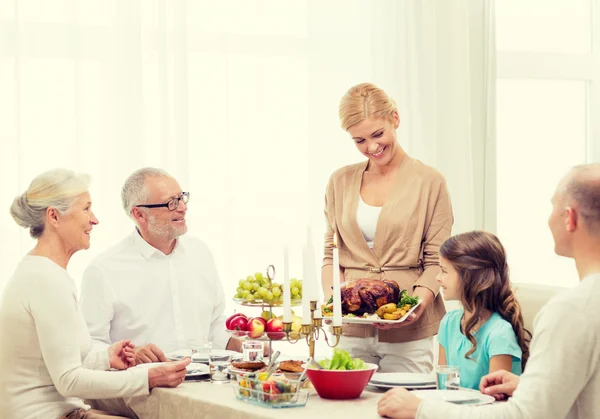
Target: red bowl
column 340, row 385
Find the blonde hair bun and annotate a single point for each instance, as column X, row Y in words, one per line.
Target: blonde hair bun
column 56, row 188
column 364, row 101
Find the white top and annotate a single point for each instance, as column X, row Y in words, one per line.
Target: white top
column 366, row 218
column 45, row 361
column 562, row 377
column 134, row 291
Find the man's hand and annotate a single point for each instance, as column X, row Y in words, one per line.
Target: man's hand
column 426, row 297
column 234, row 345
column 121, row 355
column 501, row 384
column 266, row 350
column 170, row 374
column 149, row 353
column 398, row 403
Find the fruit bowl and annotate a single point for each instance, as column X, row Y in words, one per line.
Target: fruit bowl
column 245, row 335
column 264, row 303
column 340, row 384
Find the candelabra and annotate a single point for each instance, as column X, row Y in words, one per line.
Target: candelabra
column 311, row 332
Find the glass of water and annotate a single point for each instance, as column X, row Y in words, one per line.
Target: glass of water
column 219, row 362
column 200, row 350
column 253, row 350
column 447, row 377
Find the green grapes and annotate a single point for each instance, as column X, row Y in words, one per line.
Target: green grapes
column 259, row 288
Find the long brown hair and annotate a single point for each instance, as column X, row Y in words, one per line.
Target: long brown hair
column 480, row 261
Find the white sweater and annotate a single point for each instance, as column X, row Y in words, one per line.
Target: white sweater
column 562, row 377
column 46, row 366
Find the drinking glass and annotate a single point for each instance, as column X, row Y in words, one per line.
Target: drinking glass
column 253, row 350
column 219, row 362
column 200, row 350
column 447, row 377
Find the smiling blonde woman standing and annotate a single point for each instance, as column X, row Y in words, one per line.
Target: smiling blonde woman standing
column 391, row 213
column 45, row 359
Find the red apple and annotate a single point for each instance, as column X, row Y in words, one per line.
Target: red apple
column 255, row 327
column 230, row 318
column 264, row 321
column 238, row 323
column 275, row 329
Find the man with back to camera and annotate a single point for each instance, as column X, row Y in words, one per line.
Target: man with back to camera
column 562, row 378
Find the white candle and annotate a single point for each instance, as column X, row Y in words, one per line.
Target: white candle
column 337, row 295
column 312, row 273
column 287, row 292
column 306, row 287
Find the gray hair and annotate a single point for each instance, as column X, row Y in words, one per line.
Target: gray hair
column 57, row 188
column 135, row 191
column 583, row 187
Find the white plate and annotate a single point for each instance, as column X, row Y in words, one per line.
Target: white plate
column 362, row 320
column 403, row 379
column 466, row 397
column 181, row 353
column 408, row 387
column 194, row 369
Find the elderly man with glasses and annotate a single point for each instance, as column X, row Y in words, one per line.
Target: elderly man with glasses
column 155, row 287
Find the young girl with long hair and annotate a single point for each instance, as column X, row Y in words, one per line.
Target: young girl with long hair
column 487, row 334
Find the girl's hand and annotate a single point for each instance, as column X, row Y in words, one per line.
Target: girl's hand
column 121, row 355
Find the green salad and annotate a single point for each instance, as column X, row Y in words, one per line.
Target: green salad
column 341, row 360
column 407, row 299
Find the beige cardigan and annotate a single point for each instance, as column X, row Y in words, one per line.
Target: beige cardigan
column 413, row 223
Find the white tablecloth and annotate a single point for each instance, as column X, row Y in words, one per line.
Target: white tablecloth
column 207, row 400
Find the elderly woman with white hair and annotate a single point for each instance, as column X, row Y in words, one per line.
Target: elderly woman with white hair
column 46, row 364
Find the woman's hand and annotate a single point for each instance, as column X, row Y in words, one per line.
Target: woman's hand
column 169, row 374
column 121, row 355
column 398, row 403
column 426, row 297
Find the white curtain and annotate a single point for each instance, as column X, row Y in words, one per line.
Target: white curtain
column 441, row 70
column 238, row 100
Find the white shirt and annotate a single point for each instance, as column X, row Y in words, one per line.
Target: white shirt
column 46, row 366
column 366, row 218
column 134, row 291
column 562, row 376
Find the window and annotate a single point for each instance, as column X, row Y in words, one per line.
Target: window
column 546, row 95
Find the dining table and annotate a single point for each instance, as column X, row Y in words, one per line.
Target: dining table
column 204, row 399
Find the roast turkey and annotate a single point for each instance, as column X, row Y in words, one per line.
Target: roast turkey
column 367, row 295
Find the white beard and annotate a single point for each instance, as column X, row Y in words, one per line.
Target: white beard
column 164, row 231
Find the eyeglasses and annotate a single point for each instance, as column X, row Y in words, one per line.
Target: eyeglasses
column 172, row 204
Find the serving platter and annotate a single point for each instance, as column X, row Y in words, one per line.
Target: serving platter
column 375, row 319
